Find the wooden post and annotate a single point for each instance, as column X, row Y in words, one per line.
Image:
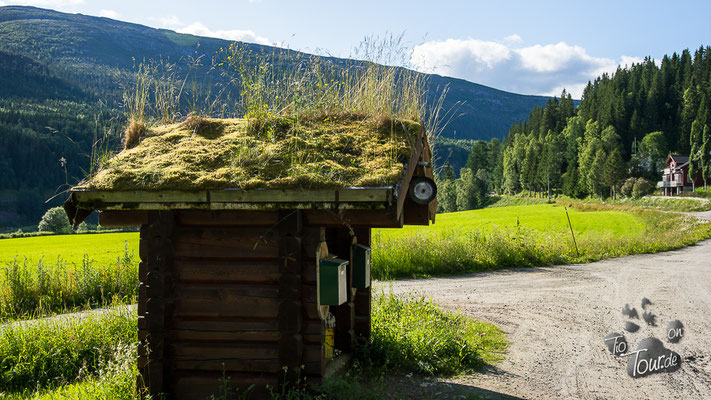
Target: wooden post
column 340, row 243
column 362, row 298
column 153, row 307
column 290, row 319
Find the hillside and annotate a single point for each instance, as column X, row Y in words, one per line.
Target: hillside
column 61, row 80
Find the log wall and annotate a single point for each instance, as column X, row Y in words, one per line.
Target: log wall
column 234, row 293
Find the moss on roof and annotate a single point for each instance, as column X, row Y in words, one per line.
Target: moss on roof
column 279, row 152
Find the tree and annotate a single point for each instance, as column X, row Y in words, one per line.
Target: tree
column 613, row 171
column 446, row 196
column 55, row 220
column 594, row 175
column 465, row 189
column 448, row 172
column 653, row 152
column 696, row 155
column 478, row 156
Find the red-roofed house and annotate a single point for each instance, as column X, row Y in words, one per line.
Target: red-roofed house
column 676, row 176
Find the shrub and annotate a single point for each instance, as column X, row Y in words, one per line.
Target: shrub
column 55, row 220
column 642, row 188
column 627, row 187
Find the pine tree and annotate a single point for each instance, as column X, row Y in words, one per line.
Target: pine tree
column 614, row 172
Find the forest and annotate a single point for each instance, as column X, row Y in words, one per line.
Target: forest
column 626, row 126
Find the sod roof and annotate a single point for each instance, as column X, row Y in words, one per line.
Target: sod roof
column 280, row 152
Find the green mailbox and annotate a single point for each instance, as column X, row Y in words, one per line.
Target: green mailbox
column 332, row 281
column 361, row 266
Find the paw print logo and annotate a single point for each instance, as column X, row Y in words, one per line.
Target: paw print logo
column 650, row 355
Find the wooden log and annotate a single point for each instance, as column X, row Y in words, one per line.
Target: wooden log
column 224, row 324
column 142, row 299
column 226, row 272
column 308, row 275
column 382, row 218
column 229, row 365
column 123, row 218
column 229, row 292
column 290, row 223
column 291, row 349
column 227, row 218
column 226, row 243
column 142, row 271
column 223, row 351
column 290, row 318
column 314, row 331
column 227, row 307
column 290, row 253
column 203, row 336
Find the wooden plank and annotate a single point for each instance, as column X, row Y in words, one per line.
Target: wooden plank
column 141, row 196
column 411, row 167
column 222, row 336
column 229, row 365
column 227, row 218
column 225, row 243
column 224, row 292
column 272, row 196
column 232, row 306
column 123, row 218
column 383, row 218
column 224, row 324
column 216, row 271
column 197, row 351
column 357, row 195
column 350, row 195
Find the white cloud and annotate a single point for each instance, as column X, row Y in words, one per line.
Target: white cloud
column 199, row 29
column 513, row 39
column 2, row 3
column 538, row 69
column 44, row 3
column 170, row 21
column 109, row 14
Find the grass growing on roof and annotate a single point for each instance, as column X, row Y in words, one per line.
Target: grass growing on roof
column 332, row 151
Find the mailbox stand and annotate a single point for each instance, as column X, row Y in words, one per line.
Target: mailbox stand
column 230, row 283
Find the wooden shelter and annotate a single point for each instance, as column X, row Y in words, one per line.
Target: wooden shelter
column 233, row 281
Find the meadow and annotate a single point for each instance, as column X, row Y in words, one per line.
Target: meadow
column 104, row 248
column 526, row 236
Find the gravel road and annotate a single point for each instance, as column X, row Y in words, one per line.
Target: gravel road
column 556, row 319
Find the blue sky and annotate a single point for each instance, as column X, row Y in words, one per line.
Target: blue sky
column 529, row 47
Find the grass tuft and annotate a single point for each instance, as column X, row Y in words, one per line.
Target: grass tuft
column 414, row 335
column 135, row 130
column 46, row 353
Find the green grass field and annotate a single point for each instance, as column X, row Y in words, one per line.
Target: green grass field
column 103, row 248
column 548, row 218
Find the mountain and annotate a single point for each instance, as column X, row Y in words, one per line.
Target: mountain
column 61, row 84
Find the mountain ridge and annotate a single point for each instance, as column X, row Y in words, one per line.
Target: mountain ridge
column 62, row 77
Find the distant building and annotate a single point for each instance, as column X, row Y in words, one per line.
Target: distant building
column 675, row 179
